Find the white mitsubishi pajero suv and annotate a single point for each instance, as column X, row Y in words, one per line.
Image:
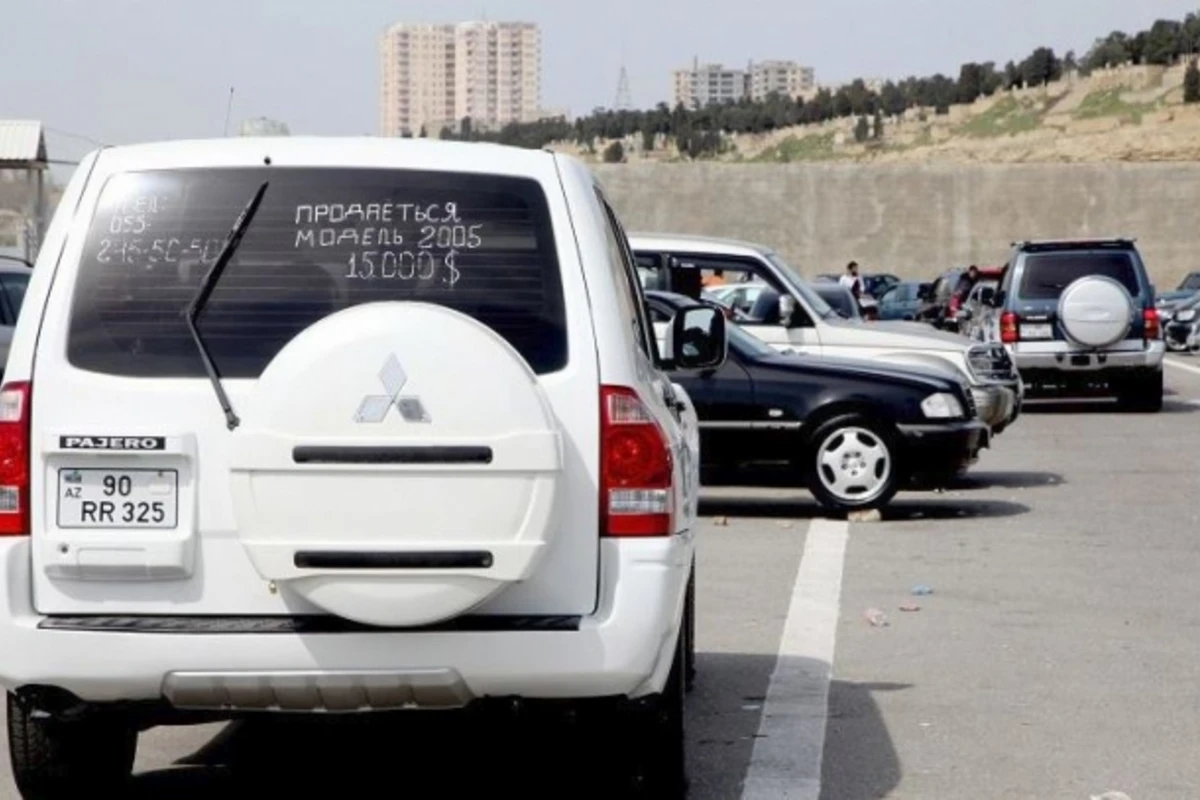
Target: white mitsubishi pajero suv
column 341, row 425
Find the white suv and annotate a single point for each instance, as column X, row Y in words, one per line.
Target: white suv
column 331, row 425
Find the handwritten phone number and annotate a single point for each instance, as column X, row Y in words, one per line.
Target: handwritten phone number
column 156, row 251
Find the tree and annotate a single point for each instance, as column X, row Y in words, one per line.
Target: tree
column 1111, row 51
column 862, row 130
column 1012, row 77
column 446, row 133
column 424, row 134
column 648, row 134
column 465, row 129
column 1070, row 62
column 992, row 81
column 970, row 83
column 614, row 153
column 1041, row 67
column 892, row 100
column 1164, row 42
column 877, row 127
column 1191, row 83
column 1191, row 34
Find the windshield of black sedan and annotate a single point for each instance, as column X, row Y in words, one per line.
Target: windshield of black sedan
column 801, row 287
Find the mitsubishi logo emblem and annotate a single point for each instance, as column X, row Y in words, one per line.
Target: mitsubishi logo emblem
column 375, row 407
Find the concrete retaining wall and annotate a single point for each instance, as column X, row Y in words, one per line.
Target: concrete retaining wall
column 916, row 220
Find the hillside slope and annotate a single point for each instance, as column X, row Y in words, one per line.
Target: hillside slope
column 1124, row 114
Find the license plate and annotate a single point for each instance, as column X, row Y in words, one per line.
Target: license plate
column 1036, row 332
column 118, row 498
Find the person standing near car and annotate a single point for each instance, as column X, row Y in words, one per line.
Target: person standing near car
column 852, row 281
column 966, row 283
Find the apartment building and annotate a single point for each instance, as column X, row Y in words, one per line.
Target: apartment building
column 786, row 78
column 709, row 83
column 435, row 75
column 715, row 83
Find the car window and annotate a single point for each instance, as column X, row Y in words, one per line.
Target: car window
column 1046, row 275
column 14, row 290
column 628, row 283
column 323, row 240
column 802, row 287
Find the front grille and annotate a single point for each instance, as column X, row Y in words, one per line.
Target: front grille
column 991, row 363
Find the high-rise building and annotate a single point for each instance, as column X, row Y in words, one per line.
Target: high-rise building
column 433, row 76
column 264, row 126
column 714, row 83
column 786, row 78
column 709, row 83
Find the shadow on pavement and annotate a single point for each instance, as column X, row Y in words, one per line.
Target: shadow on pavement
column 902, row 510
column 468, row 753
column 726, row 710
column 974, row 481
column 1101, row 406
column 802, row 506
column 860, row 761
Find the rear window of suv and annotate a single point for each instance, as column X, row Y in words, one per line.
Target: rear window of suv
column 323, row 240
column 1046, row 275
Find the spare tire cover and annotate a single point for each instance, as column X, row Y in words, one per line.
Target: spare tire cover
column 1095, row 311
column 397, row 464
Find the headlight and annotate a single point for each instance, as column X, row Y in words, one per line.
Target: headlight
column 942, row 406
column 1185, row 316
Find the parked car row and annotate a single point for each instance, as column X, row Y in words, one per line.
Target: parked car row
column 278, row 410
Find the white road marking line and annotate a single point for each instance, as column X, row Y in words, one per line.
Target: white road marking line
column 1170, row 362
column 786, row 761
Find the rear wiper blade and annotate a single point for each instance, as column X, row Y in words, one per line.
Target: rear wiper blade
column 232, row 241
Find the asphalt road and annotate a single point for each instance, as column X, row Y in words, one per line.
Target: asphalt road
column 1056, row 657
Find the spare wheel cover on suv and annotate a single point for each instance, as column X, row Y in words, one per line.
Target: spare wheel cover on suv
column 397, row 464
column 1095, row 311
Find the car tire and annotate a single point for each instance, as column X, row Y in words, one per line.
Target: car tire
column 653, row 737
column 1142, row 394
column 56, row 758
column 823, row 477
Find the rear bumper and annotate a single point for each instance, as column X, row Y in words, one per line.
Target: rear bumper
column 937, row 451
column 1036, row 360
column 624, row 649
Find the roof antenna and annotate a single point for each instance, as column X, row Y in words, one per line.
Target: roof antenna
column 228, row 108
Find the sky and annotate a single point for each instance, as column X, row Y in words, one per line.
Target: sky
column 120, row 71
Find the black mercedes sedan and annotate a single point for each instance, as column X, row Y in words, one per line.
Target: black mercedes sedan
column 853, row 432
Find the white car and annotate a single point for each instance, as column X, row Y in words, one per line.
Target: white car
column 341, row 425
column 792, row 317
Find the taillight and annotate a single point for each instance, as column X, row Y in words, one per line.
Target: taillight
column 1150, row 323
column 14, row 459
column 635, row 468
column 1008, row 328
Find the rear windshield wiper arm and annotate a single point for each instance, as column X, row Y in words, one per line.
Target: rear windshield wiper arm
column 232, row 241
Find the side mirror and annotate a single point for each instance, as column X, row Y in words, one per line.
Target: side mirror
column 697, row 339
column 998, row 298
column 964, row 314
column 924, row 291
column 787, row 309
column 987, row 295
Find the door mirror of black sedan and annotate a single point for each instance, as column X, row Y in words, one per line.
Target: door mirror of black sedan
column 697, row 339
